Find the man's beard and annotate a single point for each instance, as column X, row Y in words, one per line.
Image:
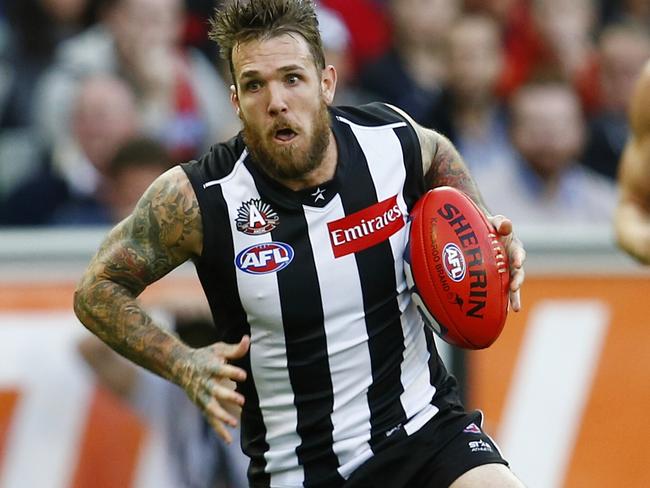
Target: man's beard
column 288, row 162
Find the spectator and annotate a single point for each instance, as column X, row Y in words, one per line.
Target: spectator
column 135, row 165
column 36, row 29
column 470, row 113
column 368, row 25
column 546, row 35
column 623, row 50
column 28, row 39
column 69, row 185
column 182, row 101
column 566, row 44
column 412, row 73
column 549, row 184
column 336, row 44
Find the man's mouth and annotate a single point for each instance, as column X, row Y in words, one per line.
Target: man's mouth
column 285, row 135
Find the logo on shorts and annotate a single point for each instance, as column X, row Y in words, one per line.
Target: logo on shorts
column 255, row 217
column 479, row 446
column 269, row 257
column 472, row 429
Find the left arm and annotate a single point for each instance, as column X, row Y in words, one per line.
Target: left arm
column 443, row 165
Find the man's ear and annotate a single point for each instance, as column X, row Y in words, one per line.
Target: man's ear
column 234, row 99
column 328, row 84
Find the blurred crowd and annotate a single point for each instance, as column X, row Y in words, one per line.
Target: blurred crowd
column 534, row 94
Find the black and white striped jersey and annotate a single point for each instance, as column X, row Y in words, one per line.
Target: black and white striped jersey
column 340, row 360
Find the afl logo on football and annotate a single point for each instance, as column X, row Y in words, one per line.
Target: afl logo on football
column 269, row 257
column 255, row 217
column 454, row 261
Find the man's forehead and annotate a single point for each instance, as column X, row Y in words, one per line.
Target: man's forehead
column 272, row 53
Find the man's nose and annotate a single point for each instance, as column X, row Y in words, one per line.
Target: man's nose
column 276, row 103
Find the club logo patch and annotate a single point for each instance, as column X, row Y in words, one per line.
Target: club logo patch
column 269, row 257
column 255, row 217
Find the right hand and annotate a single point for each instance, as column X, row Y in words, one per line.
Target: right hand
column 516, row 254
column 208, row 381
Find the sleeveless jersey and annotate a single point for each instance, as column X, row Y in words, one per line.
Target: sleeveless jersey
column 340, row 360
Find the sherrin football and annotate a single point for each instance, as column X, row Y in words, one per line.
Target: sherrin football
column 457, row 269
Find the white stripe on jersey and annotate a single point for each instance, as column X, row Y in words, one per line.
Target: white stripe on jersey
column 380, row 147
column 232, row 174
column 371, row 127
column 268, row 353
column 347, row 346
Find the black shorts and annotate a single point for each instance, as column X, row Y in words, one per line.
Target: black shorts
column 435, row 456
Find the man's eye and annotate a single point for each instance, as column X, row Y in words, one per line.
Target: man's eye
column 292, row 79
column 253, row 85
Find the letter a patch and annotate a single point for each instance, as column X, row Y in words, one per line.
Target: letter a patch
column 255, row 217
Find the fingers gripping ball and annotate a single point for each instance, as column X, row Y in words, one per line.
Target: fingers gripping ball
column 457, row 269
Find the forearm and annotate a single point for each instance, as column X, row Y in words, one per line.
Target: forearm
column 112, row 313
column 447, row 168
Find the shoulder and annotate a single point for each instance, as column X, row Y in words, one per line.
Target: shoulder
column 220, row 160
column 373, row 114
column 170, row 198
column 428, row 138
column 171, row 191
column 168, row 213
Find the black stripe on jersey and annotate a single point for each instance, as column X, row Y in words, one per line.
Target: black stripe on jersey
column 433, row 363
column 217, row 274
column 414, row 186
column 307, row 357
column 447, row 395
column 377, row 276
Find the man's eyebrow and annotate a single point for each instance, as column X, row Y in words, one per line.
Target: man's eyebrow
column 252, row 73
column 292, row 67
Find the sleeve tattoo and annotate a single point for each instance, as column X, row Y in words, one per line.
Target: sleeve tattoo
column 448, row 168
column 158, row 236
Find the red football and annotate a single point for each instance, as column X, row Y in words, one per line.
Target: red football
column 457, row 269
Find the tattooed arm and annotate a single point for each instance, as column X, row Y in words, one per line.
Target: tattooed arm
column 164, row 231
column 443, row 166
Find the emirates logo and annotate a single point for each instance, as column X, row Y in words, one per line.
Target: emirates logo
column 255, row 217
column 366, row 228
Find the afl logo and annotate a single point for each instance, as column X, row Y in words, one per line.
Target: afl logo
column 454, row 261
column 264, row 258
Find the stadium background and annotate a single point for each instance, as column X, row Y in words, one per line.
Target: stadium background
column 564, row 390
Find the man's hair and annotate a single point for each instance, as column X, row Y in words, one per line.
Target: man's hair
column 239, row 21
